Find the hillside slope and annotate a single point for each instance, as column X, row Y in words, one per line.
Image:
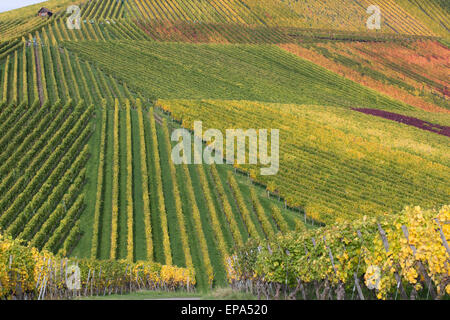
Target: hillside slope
column 86, row 116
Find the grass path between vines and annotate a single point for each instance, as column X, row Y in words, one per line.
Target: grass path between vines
column 216, row 294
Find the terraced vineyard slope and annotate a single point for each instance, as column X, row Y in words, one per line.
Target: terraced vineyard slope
column 334, row 163
column 87, row 116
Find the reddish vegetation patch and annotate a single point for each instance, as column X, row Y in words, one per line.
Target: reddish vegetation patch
column 424, row 125
column 411, row 66
column 183, row 31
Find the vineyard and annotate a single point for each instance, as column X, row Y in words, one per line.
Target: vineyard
column 41, row 184
column 218, row 75
column 126, row 219
column 86, row 122
column 143, row 202
column 412, row 74
column 30, row 275
column 320, row 170
column 401, row 257
column 181, row 71
column 123, row 228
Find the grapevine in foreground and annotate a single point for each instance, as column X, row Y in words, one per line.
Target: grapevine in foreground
column 404, row 256
column 26, row 273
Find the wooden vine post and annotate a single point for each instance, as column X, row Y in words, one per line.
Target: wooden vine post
column 422, row 269
column 397, row 276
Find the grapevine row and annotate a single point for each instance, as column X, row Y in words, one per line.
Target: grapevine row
column 242, row 206
column 267, row 227
column 399, row 256
column 311, row 164
column 278, row 217
column 198, row 225
column 13, row 200
column 218, row 232
column 53, row 220
column 145, row 184
column 178, row 205
column 97, row 277
column 47, row 176
column 159, row 191
column 30, row 223
column 129, row 188
column 100, row 179
column 115, row 184
column 65, row 225
column 226, row 207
